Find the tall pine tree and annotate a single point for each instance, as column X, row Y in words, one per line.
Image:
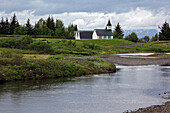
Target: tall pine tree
column 7, row 27
column 2, row 26
column 14, row 23
column 118, row 33
column 29, row 28
column 164, row 34
column 50, row 23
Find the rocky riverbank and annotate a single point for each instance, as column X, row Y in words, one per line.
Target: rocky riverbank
column 165, row 108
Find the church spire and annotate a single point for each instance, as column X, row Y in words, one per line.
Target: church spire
column 109, row 26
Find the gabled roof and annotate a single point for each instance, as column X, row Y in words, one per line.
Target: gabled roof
column 86, row 34
column 103, row 32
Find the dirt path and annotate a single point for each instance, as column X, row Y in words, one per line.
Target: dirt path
column 36, row 56
column 134, row 45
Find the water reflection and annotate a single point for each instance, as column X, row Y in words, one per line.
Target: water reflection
column 129, row 88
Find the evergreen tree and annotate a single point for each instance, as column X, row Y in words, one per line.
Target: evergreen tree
column 118, row 33
column 2, row 26
column 29, row 28
column 59, row 24
column 164, row 34
column 70, row 32
column 7, row 27
column 50, row 23
column 14, row 23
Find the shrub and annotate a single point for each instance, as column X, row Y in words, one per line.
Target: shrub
column 40, row 46
column 132, row 37
column 16, row 42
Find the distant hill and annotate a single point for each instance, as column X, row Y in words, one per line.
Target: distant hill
column 142, row 32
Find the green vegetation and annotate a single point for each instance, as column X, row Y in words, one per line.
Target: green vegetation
column 132, row 37
column 108, row 42
column 118, row 32
column 42, row 27
column 14, row 67
column 164, row 34
column 158, row 46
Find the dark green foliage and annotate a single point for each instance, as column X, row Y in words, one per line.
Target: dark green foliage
column 16, row 42
column 4, row 26
column 40, row 46
column 69, row 33
column 14, row 23
column 145, row 39
column 23, row 69
column 26, row 42
column 155, row 38
column 132, row 37
column 20, row 30
column 164, row 34
column 29, row 28
column 42, row 27
column 50, row 23
column 59, row 24
column 118, row 33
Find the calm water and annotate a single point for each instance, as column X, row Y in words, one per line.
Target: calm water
column 128, row 89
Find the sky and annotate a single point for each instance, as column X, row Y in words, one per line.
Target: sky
column 91, row 14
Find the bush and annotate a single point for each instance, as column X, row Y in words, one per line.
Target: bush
column 57, row 57
column 16, row 42
column 40, row 46
column 132, row 37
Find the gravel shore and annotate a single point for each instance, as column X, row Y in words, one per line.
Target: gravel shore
column 165, row 108
column 136, row 61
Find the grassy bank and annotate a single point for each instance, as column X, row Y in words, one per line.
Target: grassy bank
column 157, row 46
column 16, row 67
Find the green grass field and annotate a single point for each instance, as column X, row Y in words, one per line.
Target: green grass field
column 157, row 46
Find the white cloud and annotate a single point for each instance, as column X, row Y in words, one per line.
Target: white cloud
column 139, row 18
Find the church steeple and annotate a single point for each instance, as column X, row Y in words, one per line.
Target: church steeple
column 109, row 26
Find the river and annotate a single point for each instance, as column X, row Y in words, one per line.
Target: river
column 130, row 88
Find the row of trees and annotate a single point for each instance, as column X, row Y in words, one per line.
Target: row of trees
column 164, row 34
column 42, row 27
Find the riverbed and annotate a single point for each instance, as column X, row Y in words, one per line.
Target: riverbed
column 130, row 88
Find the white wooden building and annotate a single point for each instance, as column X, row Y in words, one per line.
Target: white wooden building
column 96, row 33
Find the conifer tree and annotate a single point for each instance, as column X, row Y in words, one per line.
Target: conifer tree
column 2, row 26
column 29, row 28
column 118, row 33
column 7, row 27
column 50, row 23
column 14, row 23
column 164, row 34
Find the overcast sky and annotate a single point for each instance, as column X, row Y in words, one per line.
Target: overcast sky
column 91, row 14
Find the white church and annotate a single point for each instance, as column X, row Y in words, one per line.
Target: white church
column 96, row 33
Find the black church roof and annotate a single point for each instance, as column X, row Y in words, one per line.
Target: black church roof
column 103, row 32
column 86, row 34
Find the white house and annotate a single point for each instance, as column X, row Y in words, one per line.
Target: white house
column 96, row 33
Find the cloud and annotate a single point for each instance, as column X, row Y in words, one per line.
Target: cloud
column 42, row 7
column 139, row 18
